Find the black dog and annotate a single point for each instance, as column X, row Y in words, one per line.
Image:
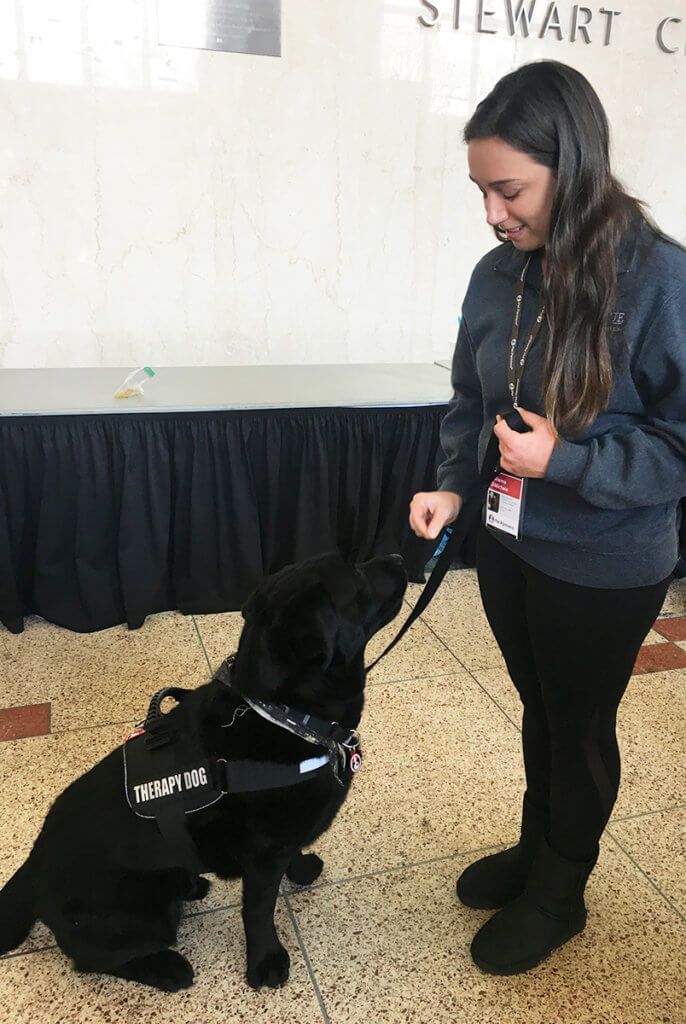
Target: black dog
column 109, row 880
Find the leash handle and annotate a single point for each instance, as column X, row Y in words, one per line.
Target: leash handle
column 155, row 724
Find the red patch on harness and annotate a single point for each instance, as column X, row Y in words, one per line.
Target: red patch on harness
column 132, row 735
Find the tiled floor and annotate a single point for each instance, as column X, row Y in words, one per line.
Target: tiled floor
column 380, row 936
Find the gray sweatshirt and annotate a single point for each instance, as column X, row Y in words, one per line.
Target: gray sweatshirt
column 607, row 513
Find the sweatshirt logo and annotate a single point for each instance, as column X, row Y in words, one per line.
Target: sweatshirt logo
column 617, row 321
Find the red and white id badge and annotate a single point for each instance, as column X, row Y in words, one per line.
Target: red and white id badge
column 505, row 504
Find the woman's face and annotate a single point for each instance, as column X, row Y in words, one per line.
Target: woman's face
column 518, row 192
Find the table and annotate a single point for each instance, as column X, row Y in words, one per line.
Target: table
column 186, row 496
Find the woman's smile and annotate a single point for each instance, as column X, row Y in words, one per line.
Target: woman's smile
column 518, row 191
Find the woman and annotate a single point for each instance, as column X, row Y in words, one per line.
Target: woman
column 578, row 320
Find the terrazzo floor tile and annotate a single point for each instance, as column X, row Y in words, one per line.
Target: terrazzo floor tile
column 498, row 684
column 95, row 678
column 418, row 655
column 39, row 937
column 220, row 634
column 457, row 617
column 43, row 987
column 659, row 657
column 441, row 772
column 657, row 843
column 395, row 948
column 672, row 628
column 648, row 783
column 651, row 725
column 675, row 602
column 18, row 723
column 654, row 637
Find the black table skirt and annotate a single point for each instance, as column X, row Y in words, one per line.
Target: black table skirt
column 106, row 519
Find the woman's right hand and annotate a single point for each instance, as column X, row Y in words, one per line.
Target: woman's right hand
column 430, row 511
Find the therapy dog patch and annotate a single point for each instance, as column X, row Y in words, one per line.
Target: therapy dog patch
column 172, row 774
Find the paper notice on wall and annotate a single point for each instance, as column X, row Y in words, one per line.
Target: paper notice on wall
column 237, row 26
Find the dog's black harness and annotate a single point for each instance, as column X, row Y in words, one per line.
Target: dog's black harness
column 168, row 774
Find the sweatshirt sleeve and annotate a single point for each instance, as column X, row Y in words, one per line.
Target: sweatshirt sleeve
column 640, row 464
column 461, row 426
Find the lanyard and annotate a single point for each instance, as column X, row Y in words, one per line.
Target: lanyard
column 515, row 367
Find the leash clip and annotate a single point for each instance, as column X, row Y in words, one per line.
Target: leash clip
column 353, row 740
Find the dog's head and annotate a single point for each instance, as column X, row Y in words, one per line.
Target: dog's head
column 306, row 628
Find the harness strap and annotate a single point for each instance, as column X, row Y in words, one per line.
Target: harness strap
column 171, row 821
column 251, row 776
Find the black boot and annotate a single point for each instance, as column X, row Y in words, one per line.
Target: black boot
column 548, row 913
column 496, row 880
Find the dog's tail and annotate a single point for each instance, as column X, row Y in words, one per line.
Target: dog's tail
column 16, row 908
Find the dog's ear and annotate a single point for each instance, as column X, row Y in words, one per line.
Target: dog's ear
column 258, row 602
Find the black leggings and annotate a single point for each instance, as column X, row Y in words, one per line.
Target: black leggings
column 570, row 651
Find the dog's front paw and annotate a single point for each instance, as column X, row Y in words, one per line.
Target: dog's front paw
column 172, row 971
column 272, row 970
column 304, row 868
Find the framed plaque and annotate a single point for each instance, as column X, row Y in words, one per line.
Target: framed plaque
column 237, row 26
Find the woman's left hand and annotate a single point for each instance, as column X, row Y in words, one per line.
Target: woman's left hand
column 525, row 454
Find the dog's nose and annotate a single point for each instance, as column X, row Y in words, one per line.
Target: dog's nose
column 398, row 559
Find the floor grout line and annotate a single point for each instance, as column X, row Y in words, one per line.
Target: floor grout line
column 395, row 868
column 95, row 725
column 470, row 673
column 413, row 679
column 638, row 867
column 308, row 964
column 184, row 917
column 202, row 644
column 210, row 910
column 644, row 814
column 311, row 888
column 27, row 952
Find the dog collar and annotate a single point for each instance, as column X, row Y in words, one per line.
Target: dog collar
column 342, row 744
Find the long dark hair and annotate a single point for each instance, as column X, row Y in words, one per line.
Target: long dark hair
column 550, row 112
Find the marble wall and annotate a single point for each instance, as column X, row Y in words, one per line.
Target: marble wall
column 173, row 206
